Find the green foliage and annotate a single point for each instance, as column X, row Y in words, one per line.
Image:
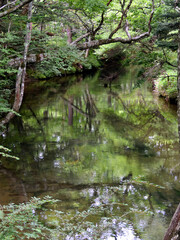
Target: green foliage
column 139, row 15
column 21, row 221
column 143, row 54
column 146, row 59
column 91, row 61
column 4, row 152
column 5, row 93
column 7, row 71
column 39, row 218
column 64, row 60
column 91, row 7
column 111, row 52
column 58, row 61
column 39, row 42
column 167, row 29
column 166, row 84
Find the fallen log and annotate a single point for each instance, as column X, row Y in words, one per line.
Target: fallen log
column 32, row 58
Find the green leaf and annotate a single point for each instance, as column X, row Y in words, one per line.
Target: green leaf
column 1, row 214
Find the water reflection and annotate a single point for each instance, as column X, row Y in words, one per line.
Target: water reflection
column 77, row 142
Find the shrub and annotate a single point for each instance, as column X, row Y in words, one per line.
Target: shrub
column 166, row 84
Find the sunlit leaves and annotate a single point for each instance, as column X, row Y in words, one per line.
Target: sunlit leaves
column 88, row 5
column 5, row 153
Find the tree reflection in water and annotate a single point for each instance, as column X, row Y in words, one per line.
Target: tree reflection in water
column 79, row 143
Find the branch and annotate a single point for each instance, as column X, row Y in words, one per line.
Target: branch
column 176, row 6
column 8, row 4
column 122, row 4
column 151, row 17
column 149, row 48
column 102, row 19
column 166, row 60
column 124, row 14
column 95, row 31
column 127, row 29
column 83, row 23
column 92, row 24
column 100, row 24
column 109, row 2
column 80, row 38
column 13, row 9
column 97, row 43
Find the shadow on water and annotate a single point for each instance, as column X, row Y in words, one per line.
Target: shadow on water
column 78, row 141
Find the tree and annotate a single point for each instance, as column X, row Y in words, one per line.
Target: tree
column 123, row 20
column 19, row 90
column 89, row 23
column 12, row 6
column 173, row 229
column 94, row 21
column 169, row 32
column 167, row 29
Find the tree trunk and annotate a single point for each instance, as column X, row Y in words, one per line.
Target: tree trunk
column 69, row 35
column 87, row 50
column 178, row 84
column 19, row 90
column 173, row 229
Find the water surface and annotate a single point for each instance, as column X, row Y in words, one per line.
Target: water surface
column 80, row 138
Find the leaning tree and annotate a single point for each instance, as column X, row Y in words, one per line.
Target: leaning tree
column 7, row 8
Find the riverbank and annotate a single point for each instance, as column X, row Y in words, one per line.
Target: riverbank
column 156, row 67
column 108, row 60
column 163, row 80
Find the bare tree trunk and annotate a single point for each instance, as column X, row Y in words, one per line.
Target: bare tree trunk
column 87, row 50
column 87, row 53
column 9, row 28
column 178, row 84
column 173, row 229
column 19, row 90
column 69, row 35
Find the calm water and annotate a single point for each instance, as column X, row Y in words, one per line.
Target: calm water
column 80, row 141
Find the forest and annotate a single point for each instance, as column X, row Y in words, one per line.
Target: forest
column 89, row 119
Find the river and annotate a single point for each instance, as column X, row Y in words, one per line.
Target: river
column 89, row 144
